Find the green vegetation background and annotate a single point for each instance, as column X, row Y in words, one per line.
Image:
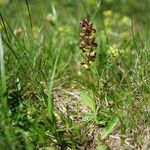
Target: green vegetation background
column 40, row 57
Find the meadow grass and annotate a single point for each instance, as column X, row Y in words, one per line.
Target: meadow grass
column 47, row 99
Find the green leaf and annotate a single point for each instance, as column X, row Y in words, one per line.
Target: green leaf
column 110, row 127
column 50, row 148
column 102, row 147
column 88, row 101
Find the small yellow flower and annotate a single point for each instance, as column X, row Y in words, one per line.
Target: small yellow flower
column 108, row 22
column 107, row 13
column 113, row 50
column 126, row 21
column 51, row 18
column 61, row 29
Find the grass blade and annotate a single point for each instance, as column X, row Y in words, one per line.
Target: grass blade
column 3, row 79
column 29, row 13
column 110, row 127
